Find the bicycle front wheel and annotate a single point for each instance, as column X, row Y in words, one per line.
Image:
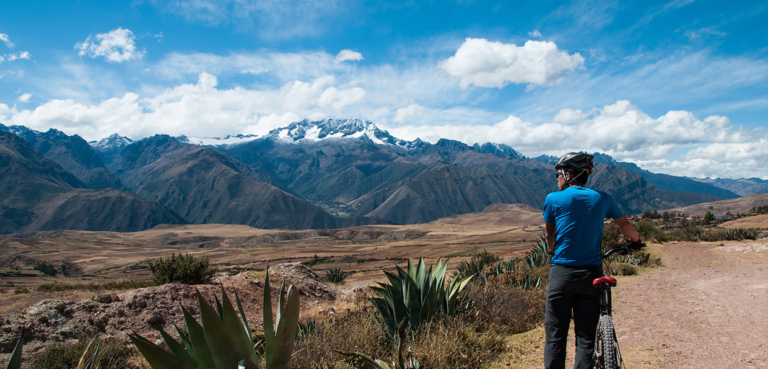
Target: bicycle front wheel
column 606, row 347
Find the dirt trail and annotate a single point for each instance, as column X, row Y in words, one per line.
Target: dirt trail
column 706, row 308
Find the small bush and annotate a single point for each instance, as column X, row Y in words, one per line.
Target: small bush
column 67, row 269
column 184, row 269
column 612, row 237
column 335, row 275
column 511, row 309
column 21, row 290
column 478, row 262
column 47, row 269
column 457, row 342
column 351, row 332
column 113, row 354
column 623, row 269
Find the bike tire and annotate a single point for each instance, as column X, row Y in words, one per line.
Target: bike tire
column 607, row 343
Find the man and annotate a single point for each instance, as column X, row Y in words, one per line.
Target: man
column 574, row 222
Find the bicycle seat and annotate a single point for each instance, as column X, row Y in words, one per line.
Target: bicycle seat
column 609, row 280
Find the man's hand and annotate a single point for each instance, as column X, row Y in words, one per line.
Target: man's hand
column 635, row 245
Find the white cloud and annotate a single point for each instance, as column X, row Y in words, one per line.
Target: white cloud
column 200, row 109
column 706, row 147
column 17, row 56
column 535, row 34
column 24, row 98
column 116, row 46
column 484, row 63
column 569, row 116
column 4, row 38
column 409, row 113
column 347, row 54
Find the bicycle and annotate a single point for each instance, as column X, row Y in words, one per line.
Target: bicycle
column 607, row 354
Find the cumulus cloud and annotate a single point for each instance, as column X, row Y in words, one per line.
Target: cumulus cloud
column 535, row 34
column 4, row 38
column 199, row 109
column 485, row 63
column 24, row 98
column 116, row 46
column 706, row 147
column 347, row 54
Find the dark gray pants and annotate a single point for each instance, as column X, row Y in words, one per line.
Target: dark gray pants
column 570, row 290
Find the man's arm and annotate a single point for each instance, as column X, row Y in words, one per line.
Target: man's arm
column 551, row 236
column 626, row 228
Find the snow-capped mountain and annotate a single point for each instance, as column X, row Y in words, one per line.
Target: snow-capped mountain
column 21, row 131
column 110, row 143
column 227, row 140
column 334, row 128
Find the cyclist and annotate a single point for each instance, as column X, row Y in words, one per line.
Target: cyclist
column 574, row 219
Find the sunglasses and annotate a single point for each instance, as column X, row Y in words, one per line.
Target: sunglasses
column 558, row 174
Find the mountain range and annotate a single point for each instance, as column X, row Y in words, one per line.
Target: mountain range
column 321, row 174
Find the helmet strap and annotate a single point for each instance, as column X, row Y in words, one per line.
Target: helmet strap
column 568, row 182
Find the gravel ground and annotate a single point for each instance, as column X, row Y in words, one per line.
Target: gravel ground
column 706, row 308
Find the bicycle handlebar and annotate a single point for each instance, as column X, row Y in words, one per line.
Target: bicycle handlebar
column 620, row 250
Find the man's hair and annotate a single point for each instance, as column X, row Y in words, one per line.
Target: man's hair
column 579, row 180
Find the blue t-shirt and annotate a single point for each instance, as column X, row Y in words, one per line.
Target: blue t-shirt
column 578, row 214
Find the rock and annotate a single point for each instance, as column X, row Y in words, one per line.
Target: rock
column 308, row 282
column 104, row 299
column 155, row 318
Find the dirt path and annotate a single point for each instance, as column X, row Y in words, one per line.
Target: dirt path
column 706, row 308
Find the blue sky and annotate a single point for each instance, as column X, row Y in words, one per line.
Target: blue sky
column 678, row 86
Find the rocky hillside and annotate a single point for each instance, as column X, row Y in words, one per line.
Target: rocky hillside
column 38, row 194
column 72, row 153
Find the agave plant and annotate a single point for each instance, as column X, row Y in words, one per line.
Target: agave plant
column 416, row 296
column 310, row 327
column 335, row 275
column 223, row 341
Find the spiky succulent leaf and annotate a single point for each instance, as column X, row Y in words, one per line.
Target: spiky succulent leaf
column 200, row 351
column 234, row 325
column 157, row 357
column 286, row 331
column 269, row 330
column 15, row 361
column 220, row 340
column 177, row 348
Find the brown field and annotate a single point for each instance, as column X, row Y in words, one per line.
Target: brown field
column 361, row 251
column 739, row 205
column 758, row 221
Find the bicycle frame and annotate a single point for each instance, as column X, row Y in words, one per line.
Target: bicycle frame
column 605, row 283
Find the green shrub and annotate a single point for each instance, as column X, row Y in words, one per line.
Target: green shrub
column 47, row 269
column 20, row 290
column 612, row 237
column 348, row 332
column 478, row 262
column 623, row 269
column 113, row 354
column 184, row 269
